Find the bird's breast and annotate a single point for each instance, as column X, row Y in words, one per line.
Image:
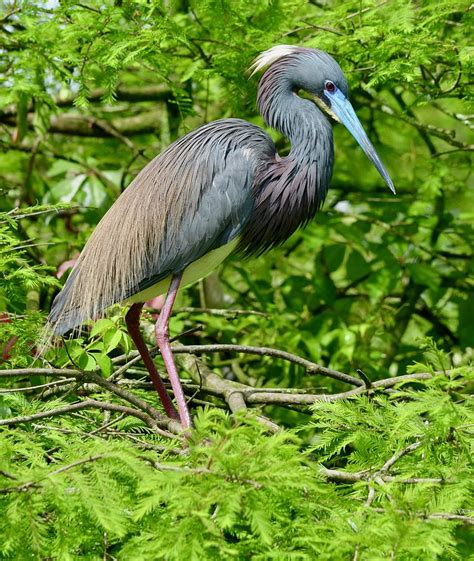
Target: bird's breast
column 195, row 271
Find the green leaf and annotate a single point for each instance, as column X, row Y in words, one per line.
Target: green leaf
column 5, row 410
column 466, row 321
column 425, row 275
column 22, row 115
column 105, row 363
column 334, row 256
column 101, row 326
column 356, row 266
column 112, row 340
column 86, row 361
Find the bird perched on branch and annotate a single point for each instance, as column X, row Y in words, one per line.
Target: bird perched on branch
column 219, row 189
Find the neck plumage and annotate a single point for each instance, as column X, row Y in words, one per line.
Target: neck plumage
column 288, row 191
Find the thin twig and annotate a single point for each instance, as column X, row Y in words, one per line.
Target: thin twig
column 107, row 425
column 7, row 474
column 56, row 372
column 89, row 404
column 32, row 388
column 434, row 515
column 136, row 357
column 215, row 384
column 353, row 477
column 367, row 9
column 311, row 367
column 30, row 484
column 263, row 397
column 444, row 134
column 391, row 461
column 222, row 311
column 102, row 382
column 363, row 375
column 206, row 471
column 163, row 420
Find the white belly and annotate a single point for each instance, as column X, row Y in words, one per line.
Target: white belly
column 194, row 272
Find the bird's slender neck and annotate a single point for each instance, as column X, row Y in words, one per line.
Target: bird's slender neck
column 289, row 191
column 299, row 120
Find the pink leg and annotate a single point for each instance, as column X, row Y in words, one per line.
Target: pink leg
column 162, row 339
column 132, row 320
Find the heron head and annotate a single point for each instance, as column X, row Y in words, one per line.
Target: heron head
column 316, row 76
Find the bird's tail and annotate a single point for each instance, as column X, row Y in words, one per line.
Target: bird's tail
column 111, row 265
column 63, row 318
column 65, row 315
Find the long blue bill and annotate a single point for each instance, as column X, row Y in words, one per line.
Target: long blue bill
column 346, row 114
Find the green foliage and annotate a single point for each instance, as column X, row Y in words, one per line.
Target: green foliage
column 20, row 281
column 18, row 275
column 238, row 492
column 106, row 338
column 374, row 272
column 91, row 92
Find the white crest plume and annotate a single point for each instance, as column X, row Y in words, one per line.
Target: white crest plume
column 269, row 56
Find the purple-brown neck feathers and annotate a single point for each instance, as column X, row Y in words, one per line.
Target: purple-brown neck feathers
column 288, row 191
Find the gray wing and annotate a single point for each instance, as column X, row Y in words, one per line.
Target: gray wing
column 222, row 211
column 194, row 197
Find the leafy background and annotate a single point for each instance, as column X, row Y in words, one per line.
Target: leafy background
column 91, row 92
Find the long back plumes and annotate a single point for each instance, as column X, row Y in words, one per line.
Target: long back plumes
column 113, row 260
column 124, row 246
column 180, row 206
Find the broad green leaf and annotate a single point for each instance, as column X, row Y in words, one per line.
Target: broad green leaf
column 334, row 256
column 112, row 340
column 426, row 275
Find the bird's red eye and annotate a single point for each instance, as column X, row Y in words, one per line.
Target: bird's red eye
column 330, row 86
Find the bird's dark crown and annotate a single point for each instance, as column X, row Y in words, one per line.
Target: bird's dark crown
column 309, row 68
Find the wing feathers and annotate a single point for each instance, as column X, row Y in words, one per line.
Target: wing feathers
column 192, row 198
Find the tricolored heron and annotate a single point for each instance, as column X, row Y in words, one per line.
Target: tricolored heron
column 220, row 188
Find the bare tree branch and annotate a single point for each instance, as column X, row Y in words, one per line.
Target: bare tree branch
column 56, row 372
column 353, row 477
column 92, row 404
column 222, row 312
column 311, row 367
column 449, row 136
column 41, row 386
column 469, row 520
column 235, row 394
column 123, row 93
column 391, row 461
column 75, row 124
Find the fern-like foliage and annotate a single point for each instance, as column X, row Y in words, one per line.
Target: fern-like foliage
column 88, row 466
column 384, row 476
